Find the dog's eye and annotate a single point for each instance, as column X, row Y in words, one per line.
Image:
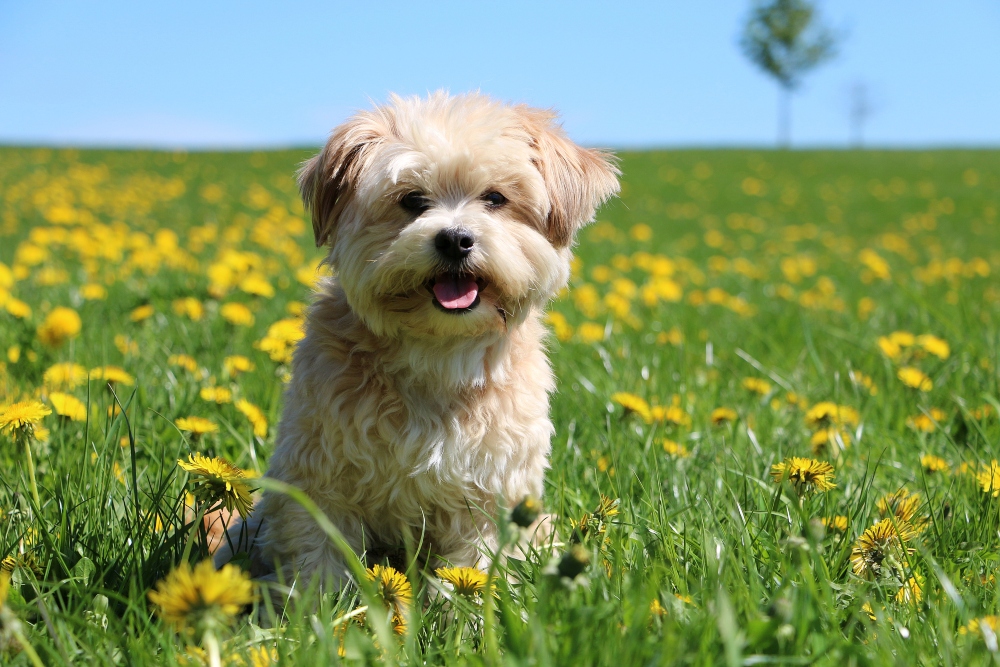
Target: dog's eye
column 414, row 202
column 494, row 199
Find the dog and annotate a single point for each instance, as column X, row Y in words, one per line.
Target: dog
column 419, row 396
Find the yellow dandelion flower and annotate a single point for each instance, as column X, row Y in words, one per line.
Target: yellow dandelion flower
column 757, row 386
column 191, row 597
column 798, row 401
column 895, row 343
column 236, row 364
column 934, row 345
column 236, row 314
column 263, row 656
column 216, row 395
column 216, row 479
column 884, row 541
column 804, row 474
column 912, row 590
column 672, row 414
column 976, row 625
column 933, row 464
column 982, row 413
column 64, row 376
column 7, row 566
column 93, row 292
column 723, row 415
column 184, row 361
column 824, row 414
column 674, row 336
column 69, row 406
column 590, row 332
column 657, row 609
column 281, row 338
column 257, row 285
column 560, row 326
column 112, row 375
column 834, row 438
column 17, row 308
column 927, row 422
column 196, row 425
column 255, row 415
column 60, row 325
column 989, row 479
column 189, row 307
column 22, row 415
column 606, row 508
column 863, row 381
column 601, row 273
column 467, row 581
column 903, row 338
column 641, row 232
column 915, row 378
column 126, row 345
column 632, row 403
column 142, row 313
column 904, row 506
column 674, row 449
column 393, row 589
column 889, row 348
column 866, row 305
column 838, row 523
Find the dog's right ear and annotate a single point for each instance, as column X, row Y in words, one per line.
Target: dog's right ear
column 578, row 180
column 328, row 180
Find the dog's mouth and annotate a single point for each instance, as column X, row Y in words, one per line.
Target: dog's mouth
column 456, row 293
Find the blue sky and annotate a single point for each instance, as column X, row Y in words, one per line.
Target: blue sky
column 623, row 74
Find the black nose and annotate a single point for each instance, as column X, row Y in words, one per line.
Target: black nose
column 454, row 243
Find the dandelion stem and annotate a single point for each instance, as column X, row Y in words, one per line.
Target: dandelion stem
column 30, row 464
column 212, row 647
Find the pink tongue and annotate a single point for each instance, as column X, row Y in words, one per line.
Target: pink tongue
column 455, row 293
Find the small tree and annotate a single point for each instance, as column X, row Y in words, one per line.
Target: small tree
column 862, row 108
column 785, row 39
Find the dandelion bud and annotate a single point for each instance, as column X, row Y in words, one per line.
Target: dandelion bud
column 574, row 562
column 526, row 511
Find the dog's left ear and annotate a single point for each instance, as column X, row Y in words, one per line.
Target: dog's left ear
column 328, row 180
column 578, row 180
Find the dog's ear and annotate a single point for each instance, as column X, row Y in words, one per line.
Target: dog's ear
column 328, row 180
column 578, row 180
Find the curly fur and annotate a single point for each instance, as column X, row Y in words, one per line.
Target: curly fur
column 400, row 417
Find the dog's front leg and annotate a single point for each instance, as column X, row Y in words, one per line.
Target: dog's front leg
column 296, row 547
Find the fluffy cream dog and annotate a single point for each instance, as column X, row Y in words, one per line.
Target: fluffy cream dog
column 419, row 395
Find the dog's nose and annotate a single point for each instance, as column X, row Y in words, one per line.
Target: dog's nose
column 454, row 243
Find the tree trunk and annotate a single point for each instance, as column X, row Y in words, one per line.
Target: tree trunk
column 785, row 118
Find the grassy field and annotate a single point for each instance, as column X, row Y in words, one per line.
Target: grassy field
column 733, row 309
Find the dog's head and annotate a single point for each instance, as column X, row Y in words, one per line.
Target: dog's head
column 451, row 216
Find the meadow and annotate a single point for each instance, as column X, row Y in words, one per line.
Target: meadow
column 776, row 419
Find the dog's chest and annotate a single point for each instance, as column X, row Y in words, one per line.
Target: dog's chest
column 437, row 440
column 420, row 450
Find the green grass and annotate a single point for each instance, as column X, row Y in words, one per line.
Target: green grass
column 767, row 280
